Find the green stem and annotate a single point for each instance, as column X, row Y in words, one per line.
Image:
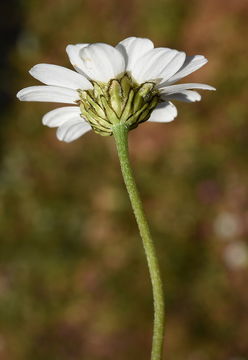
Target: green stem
column 120, row 133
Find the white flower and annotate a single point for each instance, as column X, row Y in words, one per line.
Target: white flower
column 132, row 82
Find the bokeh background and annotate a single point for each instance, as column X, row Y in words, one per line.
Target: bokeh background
column 73, row 277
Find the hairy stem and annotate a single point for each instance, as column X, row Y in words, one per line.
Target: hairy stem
column 120, row 133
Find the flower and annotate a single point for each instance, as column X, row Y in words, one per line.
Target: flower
column 130, row 83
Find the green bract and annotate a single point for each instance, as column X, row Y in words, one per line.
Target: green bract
column 119, row 101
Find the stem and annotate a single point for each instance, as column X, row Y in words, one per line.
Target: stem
column 120, row 133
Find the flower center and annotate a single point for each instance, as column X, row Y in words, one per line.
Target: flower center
column 118, row 101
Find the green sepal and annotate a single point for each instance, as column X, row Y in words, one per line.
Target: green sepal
column 115, row 96
column 126, row 84
column 110, row 113
column 127, row 112
column 93, row 117
column 99, row 111
column 142, row 95
column 101, row 132
column 146, row 114
column 135, row 117
column 99, row 89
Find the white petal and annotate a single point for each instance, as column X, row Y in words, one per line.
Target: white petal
column 72, row 130
column 164, row 112
column 49, row 94
column 102, row 62
column 61, row 115
column 186, row 96
column 191, row 64
column 173, row 66
column 74, row 57
column 150, row 66
column 60, row 76
column 134, row 48
column 180, row 87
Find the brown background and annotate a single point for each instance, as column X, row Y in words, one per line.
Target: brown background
column 73, row 278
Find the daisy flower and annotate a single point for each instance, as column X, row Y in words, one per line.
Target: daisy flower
column 130, row 83
column 113, row 90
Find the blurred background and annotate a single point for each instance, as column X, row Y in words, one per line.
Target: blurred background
column 73, row 277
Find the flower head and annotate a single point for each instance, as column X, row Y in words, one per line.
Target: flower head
column 130, row 83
